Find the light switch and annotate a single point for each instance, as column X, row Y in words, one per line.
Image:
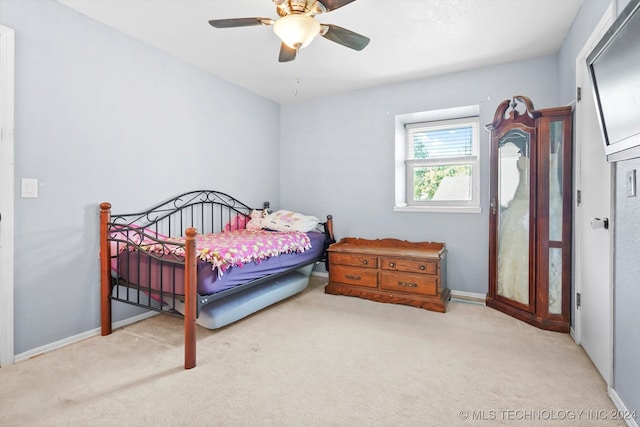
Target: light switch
column 29, row 188
column 631, row 183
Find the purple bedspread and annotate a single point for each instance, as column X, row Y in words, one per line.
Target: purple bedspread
column 151, row 273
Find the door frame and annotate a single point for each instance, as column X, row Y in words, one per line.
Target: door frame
column 7, row 58
column 603, row 25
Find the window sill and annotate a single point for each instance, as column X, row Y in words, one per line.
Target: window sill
column 443, row 209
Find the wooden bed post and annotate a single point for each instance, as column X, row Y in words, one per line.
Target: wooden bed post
column 190, row 298
column 329, row 226
column 105, row 276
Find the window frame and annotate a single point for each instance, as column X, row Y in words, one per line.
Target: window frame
column 405, row 125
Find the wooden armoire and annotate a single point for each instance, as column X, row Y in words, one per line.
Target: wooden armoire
column 530, row 213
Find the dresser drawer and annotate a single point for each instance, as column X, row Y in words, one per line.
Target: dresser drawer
column 353, row 276
column 414, row 283
column 409, row 265
column 356, row 260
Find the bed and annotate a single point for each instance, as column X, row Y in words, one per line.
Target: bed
column 208, row 257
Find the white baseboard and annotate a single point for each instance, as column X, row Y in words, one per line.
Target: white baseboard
column 472, row 297
column 320, row 273
column 73, row 339
column 631, row 421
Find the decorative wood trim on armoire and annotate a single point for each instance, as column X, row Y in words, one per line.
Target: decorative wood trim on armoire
column 530, row 213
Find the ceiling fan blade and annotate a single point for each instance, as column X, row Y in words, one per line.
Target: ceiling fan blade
column 334, row 4
column 287, row 53
column 240, row 22
column 345, row 37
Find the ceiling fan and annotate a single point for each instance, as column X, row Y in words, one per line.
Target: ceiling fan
column 297, row 27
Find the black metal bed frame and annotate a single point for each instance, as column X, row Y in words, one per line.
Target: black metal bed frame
column 205, row 210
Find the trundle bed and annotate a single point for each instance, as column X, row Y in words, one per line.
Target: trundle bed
column 201, row 255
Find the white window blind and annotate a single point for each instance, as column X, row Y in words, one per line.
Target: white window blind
column 442, row 163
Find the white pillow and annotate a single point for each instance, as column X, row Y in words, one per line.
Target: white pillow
column 284, row 220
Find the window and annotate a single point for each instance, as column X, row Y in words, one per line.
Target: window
column 437, row 165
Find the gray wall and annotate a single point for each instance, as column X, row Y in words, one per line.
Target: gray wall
column 588, row 17
column 626, row 317
column 101, row 117
column 626, row 285
column 341, row 160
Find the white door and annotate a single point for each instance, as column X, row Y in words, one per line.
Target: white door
column 6, row 195
column 593, row 282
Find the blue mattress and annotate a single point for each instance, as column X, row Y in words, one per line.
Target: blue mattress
column 234, row 307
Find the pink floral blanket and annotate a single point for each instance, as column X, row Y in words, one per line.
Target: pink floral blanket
column 237, row 247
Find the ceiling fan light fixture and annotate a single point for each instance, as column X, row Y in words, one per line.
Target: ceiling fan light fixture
column 296, row 31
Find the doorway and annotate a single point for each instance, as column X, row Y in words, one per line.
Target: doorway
column 7, row 42
column 593, row 324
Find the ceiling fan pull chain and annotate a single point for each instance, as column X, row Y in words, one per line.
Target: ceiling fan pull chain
column 295, row 92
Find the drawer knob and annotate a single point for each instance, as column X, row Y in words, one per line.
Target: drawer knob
column 422, row 267
column 392, row 264
column 408, row 285
column 365, row 262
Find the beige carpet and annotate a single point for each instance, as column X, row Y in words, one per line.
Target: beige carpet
column 315, row 360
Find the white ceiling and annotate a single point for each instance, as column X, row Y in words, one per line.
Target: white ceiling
column 409, row 39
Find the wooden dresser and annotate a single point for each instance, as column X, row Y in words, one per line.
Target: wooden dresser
column 390, row 270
